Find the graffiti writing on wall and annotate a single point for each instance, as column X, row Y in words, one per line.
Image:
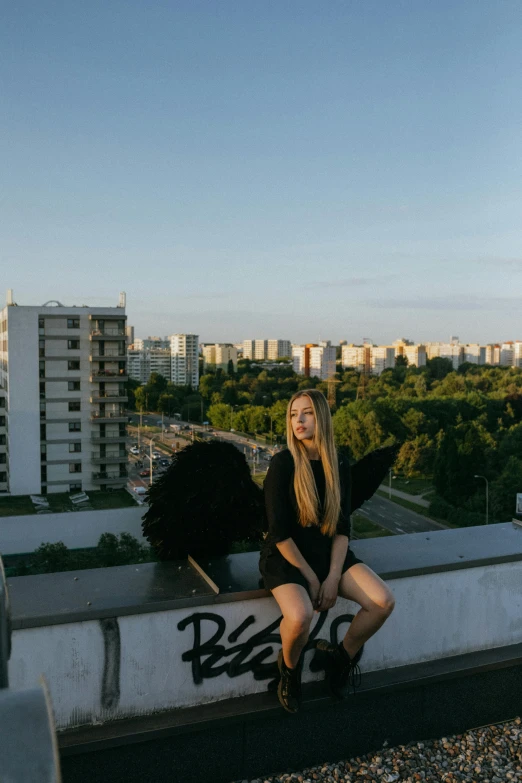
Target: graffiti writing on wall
column 213, row 657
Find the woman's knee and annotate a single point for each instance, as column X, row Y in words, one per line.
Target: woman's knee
column 386, row 605
column 299, row 622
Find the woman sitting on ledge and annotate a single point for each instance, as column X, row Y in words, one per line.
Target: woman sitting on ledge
column 306, row 561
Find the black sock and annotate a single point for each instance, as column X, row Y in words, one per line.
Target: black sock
column 343, row 651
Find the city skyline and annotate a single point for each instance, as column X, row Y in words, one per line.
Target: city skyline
column 353, row 165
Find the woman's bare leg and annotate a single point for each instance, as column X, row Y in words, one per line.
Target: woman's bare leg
column 297, row 611
column 362, row 585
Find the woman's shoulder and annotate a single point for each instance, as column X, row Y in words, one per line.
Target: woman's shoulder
column 282, row 460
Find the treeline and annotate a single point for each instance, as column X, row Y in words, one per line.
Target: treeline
column 452, row 425
column 50, row 558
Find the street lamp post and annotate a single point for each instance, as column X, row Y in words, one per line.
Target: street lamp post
column 487, row 495
column 150, row 458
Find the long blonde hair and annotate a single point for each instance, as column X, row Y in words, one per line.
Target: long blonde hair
column 304, row 482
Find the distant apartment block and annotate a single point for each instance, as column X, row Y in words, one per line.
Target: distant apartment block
column 151, row 343
column 129, row 335
column 314, row 360
column 278, row 349
column 356, row 357
column 415, row 354
column 63, row 373
column 184, row 352
column 218, row 356
column 142, row 363
column 382, row 357
column 474, row 353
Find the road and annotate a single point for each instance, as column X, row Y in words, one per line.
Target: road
column 257, row 456
column 395, row 518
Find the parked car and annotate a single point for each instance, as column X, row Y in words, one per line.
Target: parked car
column 156, row 455
column 144, row 472
column 140, row 490
column 134, row 450
column 164, row 463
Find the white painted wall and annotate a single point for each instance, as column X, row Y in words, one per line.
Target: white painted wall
column 24, row 401
column 437, row 616
column 76, row 529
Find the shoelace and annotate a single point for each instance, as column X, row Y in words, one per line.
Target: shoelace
column 354, row 677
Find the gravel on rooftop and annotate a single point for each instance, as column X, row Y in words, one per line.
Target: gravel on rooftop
column 491, row 754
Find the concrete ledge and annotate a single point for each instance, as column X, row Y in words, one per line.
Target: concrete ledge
column 51, row 599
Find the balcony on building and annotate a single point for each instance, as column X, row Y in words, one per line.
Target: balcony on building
column 110, row 437
column 109, row 374
column 112, row 458
column 108, row 353
column 113, row 396
column 109, row 477
column 115, row 417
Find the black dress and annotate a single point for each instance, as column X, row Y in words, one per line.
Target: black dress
column 281, row 512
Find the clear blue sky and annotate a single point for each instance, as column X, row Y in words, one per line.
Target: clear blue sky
column 278, row 168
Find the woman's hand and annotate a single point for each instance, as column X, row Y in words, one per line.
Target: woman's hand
column 328, row 593
column 314, row 586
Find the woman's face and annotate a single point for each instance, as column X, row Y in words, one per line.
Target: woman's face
column 302, row 418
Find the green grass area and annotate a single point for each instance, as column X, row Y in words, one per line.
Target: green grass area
column 259, row 478
column 413, row 486
column 16, row 506
column 365, row 528
column 60, row 501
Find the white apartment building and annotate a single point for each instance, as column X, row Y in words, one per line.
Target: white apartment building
column 507, row 354
column 142, row 363
column 62, row 398
column 314, row 360
column 382, row 357
column 415, row 354
column 493, row 353
column 356, row 357
column 517, row 353
column 218, row 356
column 474, row 353
column 248, row 349
column 278, row 349
column 184, row 352
column 151, row 343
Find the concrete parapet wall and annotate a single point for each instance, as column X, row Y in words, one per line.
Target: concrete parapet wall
column 208, row 648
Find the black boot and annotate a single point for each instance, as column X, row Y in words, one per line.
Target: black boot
column 342, row 671
column 289, row 688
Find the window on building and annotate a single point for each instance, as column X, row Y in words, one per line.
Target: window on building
column 41, row 326
column 74, row 407
column 2, row 421
column 75, row 426
column 2, row 402
column 43, row 472
column 42, row 389
column 75, row 467
column 74, row 365
column 73, row 323
column 41, row 369
column 73, row 385
column 73, row 344
column 3, row 459
column 74, row 447
column 76, row 487
column 42, row 410
column 41, row 348
column 3, row 476
column 3, row 439
column 43, row 432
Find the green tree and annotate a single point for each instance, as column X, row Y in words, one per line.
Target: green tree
column 50, row 558
column 219, row 415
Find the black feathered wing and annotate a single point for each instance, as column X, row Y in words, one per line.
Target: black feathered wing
column 368, row 474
